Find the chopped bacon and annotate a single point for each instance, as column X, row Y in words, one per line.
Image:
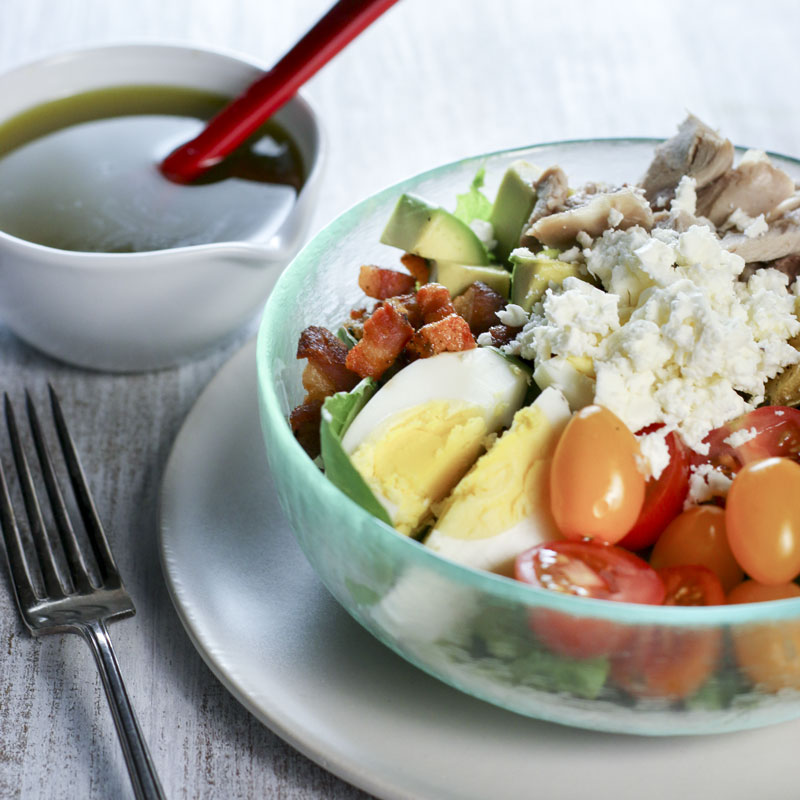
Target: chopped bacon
column 316, row 382
column 407, row 305
column 385, row 335
column 327, row 372
column 305, row 420
column 479, row 304
column 417, row 266
column 434, row 302
column 381, row 283
column 357, row 313
column 503, row 334
column 451, row 334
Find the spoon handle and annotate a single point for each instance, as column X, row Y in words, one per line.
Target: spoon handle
column 231, row 126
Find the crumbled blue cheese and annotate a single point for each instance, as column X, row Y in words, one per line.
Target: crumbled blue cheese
column 738, row 438
column 571, row 255
column 485, row 232
column 512, row 315
column 705, row 483
column 751, row 227
column 675, row 337
column 615, row 216
column 685, row 199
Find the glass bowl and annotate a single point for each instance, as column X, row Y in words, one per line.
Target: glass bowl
column 472, row 629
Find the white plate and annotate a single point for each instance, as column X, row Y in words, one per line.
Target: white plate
column 275, row 638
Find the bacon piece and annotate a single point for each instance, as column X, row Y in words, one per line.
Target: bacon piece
column 305, row 420
column 385, row 335
column 327, row 372
column 417, row 266
column 381, row 283
column 407, row 305
column 479, row 304
column 451, row 334
column 434, row 302
column 503, row 334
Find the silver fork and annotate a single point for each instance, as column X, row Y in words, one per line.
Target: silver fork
column 76, row 602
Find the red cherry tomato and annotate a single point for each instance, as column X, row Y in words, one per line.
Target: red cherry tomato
column 762, row 516
column 596, row 489
column 698, row 536
column 776, row 432
column 663, row 499
column 667, row 662
column 586, row 569
column 691, row 585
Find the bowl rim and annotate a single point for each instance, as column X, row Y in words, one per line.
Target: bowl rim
column 506, row 589
column 90, row 259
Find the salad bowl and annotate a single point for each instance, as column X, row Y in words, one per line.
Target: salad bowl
column 473, row 629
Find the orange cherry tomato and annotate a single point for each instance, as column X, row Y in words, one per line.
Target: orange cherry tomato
column 768, row 653
column 668, row 662
column 698, row 536
column 586, row 569
column 596, row 490
column 762, row 515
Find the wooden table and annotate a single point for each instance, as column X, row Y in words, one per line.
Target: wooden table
column 432, row 81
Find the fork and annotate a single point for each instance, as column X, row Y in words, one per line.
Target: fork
column 77, row 602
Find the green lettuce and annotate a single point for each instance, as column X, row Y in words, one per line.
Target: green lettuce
column 338, row 412
column 474, row 204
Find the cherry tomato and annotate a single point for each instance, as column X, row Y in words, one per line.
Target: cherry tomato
column 776, row 432
column 668, row 662
column 698, row 536
column 762, row 515
column 663, row 499
column 596, row 490
column 691, row 585
column 586, row 569
column 768, row 653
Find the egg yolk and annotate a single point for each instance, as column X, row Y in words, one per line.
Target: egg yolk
column 418, row 456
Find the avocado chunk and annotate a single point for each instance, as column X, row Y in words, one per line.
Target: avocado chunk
column 513, row 205
column 532, row 275
column 430, row 231
column 457, row 277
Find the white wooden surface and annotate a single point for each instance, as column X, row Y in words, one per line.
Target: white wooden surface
column 432, row 81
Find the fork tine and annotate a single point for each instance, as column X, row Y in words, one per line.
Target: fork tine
column 39, row 535
column 91, row 520
column 77, row 564
column 17, row 563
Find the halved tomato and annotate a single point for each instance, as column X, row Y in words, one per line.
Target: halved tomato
column 664, row 496
column 586, row 569
column 765, row 432
column 668, row 662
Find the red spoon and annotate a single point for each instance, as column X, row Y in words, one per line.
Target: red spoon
column 246, row 113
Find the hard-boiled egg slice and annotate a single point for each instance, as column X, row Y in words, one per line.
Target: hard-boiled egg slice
column 421, row 431
column 502, row 506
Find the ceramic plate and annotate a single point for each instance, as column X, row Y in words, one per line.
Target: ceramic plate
column 275, row 638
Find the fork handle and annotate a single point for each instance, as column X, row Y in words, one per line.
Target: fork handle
column 145, row 781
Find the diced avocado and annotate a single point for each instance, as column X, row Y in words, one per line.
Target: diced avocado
column 457, row 277
column 532, row 275
column 513, row 205
column 430, row 231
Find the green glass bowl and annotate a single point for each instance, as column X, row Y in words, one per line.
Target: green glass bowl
column 469, row 628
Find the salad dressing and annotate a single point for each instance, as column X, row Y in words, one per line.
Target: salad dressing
column 81, row 173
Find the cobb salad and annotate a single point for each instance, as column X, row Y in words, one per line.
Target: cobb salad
column 590, row 389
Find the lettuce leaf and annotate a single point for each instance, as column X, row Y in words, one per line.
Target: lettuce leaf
column 474, row 204
column 338, row 412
